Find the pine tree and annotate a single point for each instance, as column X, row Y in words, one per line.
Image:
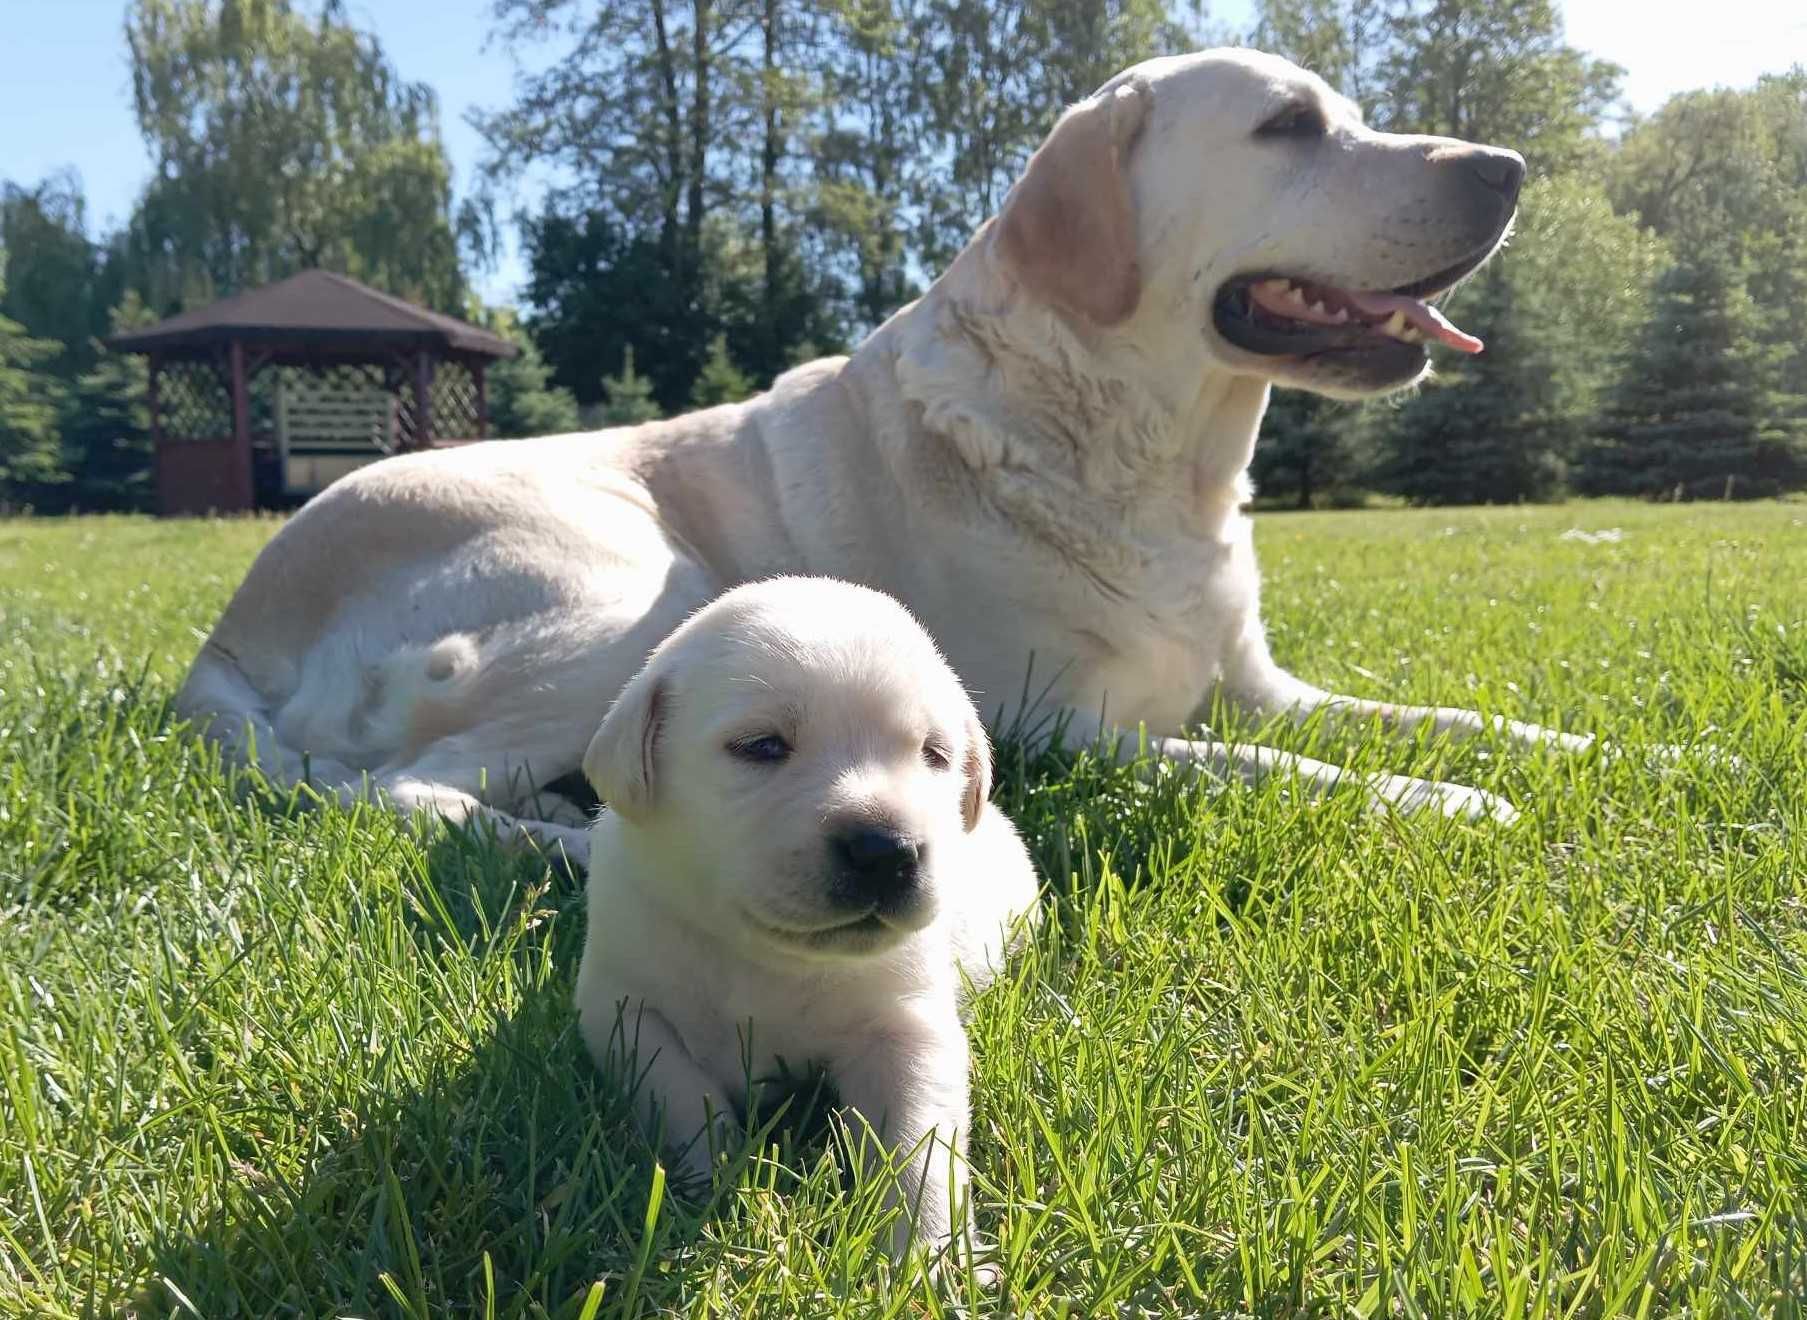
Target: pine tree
column 1308, row 448
column 1487, row 430
column 630, row 396
column 106, row 425
column 522, row 400
column 30, row 449
column 720, row 381
column 1700, row 410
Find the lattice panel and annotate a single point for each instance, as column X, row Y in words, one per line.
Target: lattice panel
column 194, row 401
column 454, row 396
column 407, row 425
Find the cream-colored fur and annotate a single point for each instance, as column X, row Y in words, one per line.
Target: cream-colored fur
column 729, row 935
column 1044, row 457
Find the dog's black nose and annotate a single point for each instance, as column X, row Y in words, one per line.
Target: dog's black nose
column 876, row 863
column 1502, row 171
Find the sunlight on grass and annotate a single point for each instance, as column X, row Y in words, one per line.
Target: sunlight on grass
column 1269, row 1056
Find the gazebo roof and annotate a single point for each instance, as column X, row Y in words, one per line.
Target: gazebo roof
column 314, row 308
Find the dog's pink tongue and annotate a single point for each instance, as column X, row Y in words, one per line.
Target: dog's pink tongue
column 1433, row 323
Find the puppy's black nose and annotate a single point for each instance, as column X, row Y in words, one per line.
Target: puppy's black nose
column 876, row 863
column 1502, row 171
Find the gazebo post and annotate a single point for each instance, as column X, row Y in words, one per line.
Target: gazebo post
column 478, row 370
column 242, row 491
column 423, row 400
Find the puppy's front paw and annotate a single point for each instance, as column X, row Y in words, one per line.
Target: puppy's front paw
column 1457, row 801
column 952, row 1259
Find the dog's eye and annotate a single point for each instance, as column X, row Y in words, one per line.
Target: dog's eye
column 1301, row 119
column 760, row 749
column 935, row 753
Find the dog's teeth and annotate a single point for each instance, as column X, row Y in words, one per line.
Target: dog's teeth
column 1413, row 336
column 1342, row 314
column 1318, row 307
column 1295, row 294
column 1395, row 325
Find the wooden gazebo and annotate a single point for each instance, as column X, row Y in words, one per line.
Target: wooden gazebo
column 262, row 399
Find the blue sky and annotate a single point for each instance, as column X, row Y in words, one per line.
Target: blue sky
column 65, row 93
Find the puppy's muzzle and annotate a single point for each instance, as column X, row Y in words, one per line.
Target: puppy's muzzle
column 876, row 868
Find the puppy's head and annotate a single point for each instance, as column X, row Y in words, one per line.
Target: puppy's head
column 796, row 762
column 1232, row 201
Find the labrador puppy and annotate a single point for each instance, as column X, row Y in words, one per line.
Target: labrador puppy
column 799, row 865
column 1045, row 458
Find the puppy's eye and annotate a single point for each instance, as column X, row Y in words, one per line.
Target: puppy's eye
column 936, row 754
column 1301, row 120
column 760, row 749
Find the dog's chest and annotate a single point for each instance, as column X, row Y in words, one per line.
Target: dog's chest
column 739, row 1022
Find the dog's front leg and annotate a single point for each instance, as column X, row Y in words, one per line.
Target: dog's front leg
column 680, row 1104
column 1256, row 765
column 1254, row 683
column 909, row 1085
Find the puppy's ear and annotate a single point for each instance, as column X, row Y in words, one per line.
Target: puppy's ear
column 622, row 760
column 1067, row 230
column 977, row 766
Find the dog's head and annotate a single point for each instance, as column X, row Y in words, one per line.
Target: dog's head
column 799, row 759
column 1233, row 197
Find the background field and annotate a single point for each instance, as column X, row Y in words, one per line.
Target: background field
column 1268, row 1055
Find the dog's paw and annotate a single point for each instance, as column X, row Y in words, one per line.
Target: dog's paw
column 1457, row 801
column 953, row 1260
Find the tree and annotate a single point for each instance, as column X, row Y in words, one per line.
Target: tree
column 1486, row 70
column 1558, row 310
column 522, row 400
column 1729, row 168
column 995, row 78
column 30, row 453
column 1700, row 410
column 106, row 423
column 1310, row 447
column 1482, row 431
column 630, row 400
column 59, row 284
column 283, row 142
column 689, row 213
column 720, row 381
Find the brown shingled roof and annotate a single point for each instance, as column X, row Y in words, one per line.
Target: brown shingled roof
column 319, row 307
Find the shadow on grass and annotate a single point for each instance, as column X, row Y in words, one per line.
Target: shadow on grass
column 508, row 1178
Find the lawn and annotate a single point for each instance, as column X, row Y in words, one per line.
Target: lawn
column 1269, row 1055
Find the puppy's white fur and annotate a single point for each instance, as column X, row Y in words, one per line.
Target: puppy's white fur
column 719, row 942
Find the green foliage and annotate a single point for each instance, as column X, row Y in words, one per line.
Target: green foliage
column 720, row 381
column 106, row 423
column 1700, row 410
column 1266, row 1056
column 629, row 396
column 30, row 449
column 1310, row 451
column 60, row 283
column 522, row 400
column 283, row 141
column 1481, row 431
column 1556, row 311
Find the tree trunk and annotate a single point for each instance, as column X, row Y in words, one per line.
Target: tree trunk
column 674, row 138
column 768, row 186
column 699, row 139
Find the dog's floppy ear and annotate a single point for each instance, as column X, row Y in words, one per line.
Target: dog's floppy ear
column 1067, row 230
column 976, row 765
column 621, row 763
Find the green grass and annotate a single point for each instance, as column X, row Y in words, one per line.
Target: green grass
column 1268, row 1056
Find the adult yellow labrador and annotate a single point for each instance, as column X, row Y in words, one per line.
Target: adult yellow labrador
column 1043, row 457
